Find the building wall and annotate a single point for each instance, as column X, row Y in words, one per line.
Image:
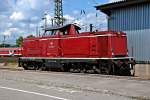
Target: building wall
column 142, row 71
column 135, row 21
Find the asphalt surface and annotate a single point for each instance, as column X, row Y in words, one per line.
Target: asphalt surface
column 27, row 85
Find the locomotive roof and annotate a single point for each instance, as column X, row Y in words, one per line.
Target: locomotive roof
column 62, row 27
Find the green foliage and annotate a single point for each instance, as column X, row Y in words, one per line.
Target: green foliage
column 5, row 45
column 30, row 36
column 19, row 41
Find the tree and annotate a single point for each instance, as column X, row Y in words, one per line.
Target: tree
column 4, row 45
column 30, row 36
column 19, row 41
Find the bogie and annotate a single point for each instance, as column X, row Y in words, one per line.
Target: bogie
column 99, row 67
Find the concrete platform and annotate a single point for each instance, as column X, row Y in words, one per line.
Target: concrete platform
column 22, row 85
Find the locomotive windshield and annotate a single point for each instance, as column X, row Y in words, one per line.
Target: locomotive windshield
column 53, row 32
column 64, row 32
column 50, row 33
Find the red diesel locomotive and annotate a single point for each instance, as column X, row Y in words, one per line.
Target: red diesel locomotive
column 66, row 49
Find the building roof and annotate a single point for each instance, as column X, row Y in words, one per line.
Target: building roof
column 106, row 8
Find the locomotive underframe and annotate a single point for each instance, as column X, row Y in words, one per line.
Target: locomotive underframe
column 110, row 66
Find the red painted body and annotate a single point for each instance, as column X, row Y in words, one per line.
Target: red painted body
column 106, row 44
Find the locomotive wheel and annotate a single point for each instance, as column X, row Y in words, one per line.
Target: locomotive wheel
column 96, row 69
column 108, row 70
column 124, row 70
column 43, row 68
column 113, row 69
column 31, row 67
column 35, row 66
column 65, row 68
column 75, row 68
column 83, row 70
column 24, row 65
column 62, row 69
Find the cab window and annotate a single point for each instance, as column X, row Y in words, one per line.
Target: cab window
column 51, row 33
column 64, row 32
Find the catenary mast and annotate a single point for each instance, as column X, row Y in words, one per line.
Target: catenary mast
column 58, row 13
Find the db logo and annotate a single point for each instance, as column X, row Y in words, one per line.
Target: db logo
column 51, row 43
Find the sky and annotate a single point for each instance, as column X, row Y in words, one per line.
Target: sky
column 21, row 17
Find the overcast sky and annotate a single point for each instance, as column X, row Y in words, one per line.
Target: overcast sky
column 21, row 17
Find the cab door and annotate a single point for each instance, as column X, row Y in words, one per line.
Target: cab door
column 119, row 44
column 93, row 47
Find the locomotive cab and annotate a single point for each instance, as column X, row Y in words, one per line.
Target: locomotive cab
column 69, row 29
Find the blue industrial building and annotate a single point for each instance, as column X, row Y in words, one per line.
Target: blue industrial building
column 132, row 17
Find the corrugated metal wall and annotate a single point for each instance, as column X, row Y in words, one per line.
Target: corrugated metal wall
column 135, row 21
column 139, row 43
